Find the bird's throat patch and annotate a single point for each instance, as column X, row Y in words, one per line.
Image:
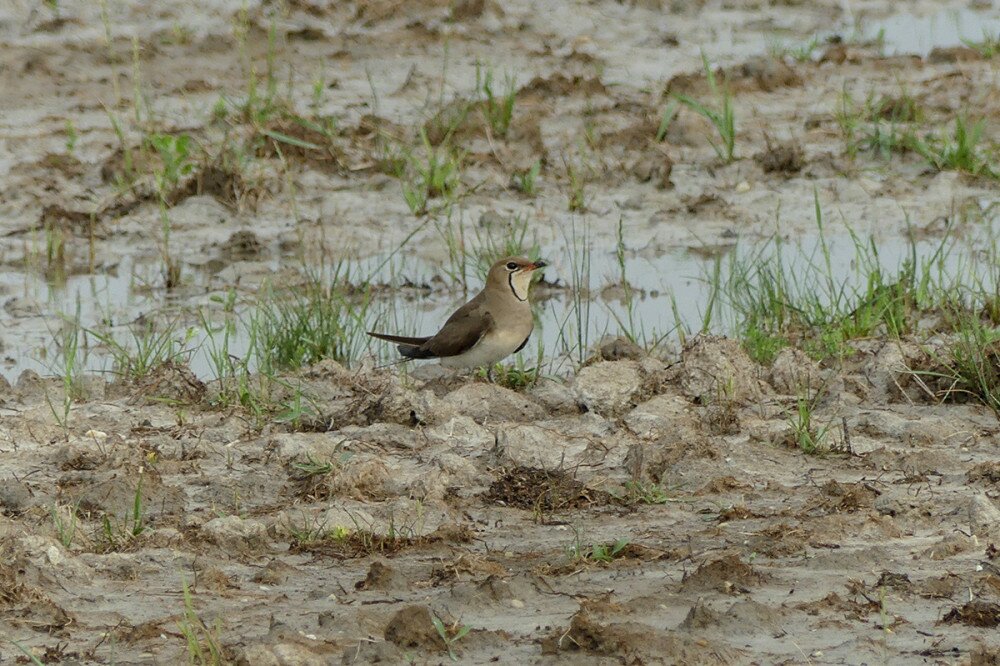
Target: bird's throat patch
column 519, row 284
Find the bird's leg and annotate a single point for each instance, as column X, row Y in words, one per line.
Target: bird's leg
column 489, row 373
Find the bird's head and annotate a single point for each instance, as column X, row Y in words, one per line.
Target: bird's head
column 513, row 275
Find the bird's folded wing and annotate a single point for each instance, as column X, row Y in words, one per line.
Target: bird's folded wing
column 461, row 332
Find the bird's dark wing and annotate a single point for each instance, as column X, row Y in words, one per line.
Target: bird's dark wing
column 462, row 331
column 521, row 346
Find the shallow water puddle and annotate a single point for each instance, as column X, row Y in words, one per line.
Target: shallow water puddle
column 667, row 293
column 906, row 33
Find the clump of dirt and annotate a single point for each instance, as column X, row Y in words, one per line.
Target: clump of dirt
column 958, row 373
column 953, row 54
column 786, row 158
column 700, row 617
column 243, row 244
column 984, row 656
column 222, row 181
column 170, row 381
column 23, row 601
column 896, row 581
column 632, row 643
column 975, row 614
column 850, row 608
column 382, row 577
column 541, row 490
column 728, row 574
column 781, row 540
column 362, row 543
column 301, row 141
column 846, row 497
column 561, row 85
column 413, row 627
column 988, row 471
column 714, row 369
column 620, row 349
column 902, row 109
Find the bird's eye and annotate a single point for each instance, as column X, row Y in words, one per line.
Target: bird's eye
column 511, row 266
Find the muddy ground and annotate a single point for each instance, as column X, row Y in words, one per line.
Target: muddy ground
column 653, row 509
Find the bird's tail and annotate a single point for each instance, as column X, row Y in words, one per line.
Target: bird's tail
column 408, row 347
column 399, row 339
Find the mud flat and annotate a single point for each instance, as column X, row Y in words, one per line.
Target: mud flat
column 759, row 423
column 637, row 512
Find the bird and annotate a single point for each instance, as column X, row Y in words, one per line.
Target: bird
column 494, row 324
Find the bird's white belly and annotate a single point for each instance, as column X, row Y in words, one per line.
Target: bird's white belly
column 493, row 348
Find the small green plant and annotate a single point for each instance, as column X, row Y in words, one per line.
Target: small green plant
column 640, row 492
column 68, row 348
column 28, row 654
column 119, row 534
column 438, row 174
column 322, row 319
column 299, row 411
column 526, row 182
column 666, row 118
column 510, row 376
column 64, row 519
column 988, row 48
column 175, row 155
column 220, row 110
column 509, row 238
column 961, row 151
column 599, row 552
column 573, row 338
column 450, row 635
column 498, row 110
column 309, row 533
column 148, row 350
column 203, row 646
column 71, row 136
column 577, row 197
column 310, row 467
column 799, row 52
column 971, row 366
column 722, row 116
column 806, row 435
column 629, row 324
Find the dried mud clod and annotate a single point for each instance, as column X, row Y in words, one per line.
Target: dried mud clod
column 987, row 472
column 633, row 643
column 413, row 627
column 714, row 369
column 23, row 602
column 787, row 158
column 382, row 577
column 304, row 144
column 541, row 490
column 839, row 497
column 974, row 614
column 364, row 543
column 170, row 381
column 728, row 574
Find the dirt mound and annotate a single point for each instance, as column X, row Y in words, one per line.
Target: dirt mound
column 728, row 574
column 413, row 627
column 632, row 642
column 541, row 490
column 974, row 614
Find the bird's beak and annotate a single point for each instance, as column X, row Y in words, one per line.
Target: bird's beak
column 538, row 264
